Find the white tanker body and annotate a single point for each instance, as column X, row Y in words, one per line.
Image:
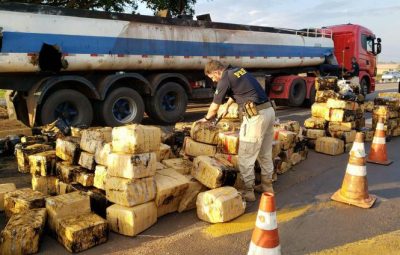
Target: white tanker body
column 125, row 64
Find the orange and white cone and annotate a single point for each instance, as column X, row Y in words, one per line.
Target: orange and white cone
column 354, row 188
column 378, row 152
column 265, row 239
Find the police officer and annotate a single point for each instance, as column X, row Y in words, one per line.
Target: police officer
column 256, row 131
column 355, row 71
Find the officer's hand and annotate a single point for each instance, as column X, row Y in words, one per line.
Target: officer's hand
column 203, row 120
column 224, row 113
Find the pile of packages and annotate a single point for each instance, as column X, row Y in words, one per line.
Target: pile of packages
column 387, row 106
column 289, row 146
column 337, row 113
column 213, row 147
column 122, row 179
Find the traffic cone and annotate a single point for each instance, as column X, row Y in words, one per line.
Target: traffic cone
column 265, row 239
column 378, row 153
column 354, row 189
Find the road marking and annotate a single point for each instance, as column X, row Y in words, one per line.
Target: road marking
column 247, row 222
column 387, row 244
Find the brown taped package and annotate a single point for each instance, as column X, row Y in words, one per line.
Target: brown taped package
column 326, row 83
column 220, row 205
column 213, row 173
column 22, row 154
column 45, row 184
column 34, row 139
column 102, row 153
column 315, row 133
column 289, row 125
column 129, row 192
column 342, row 104
column 340, row 115
column 70, row 204
column 66, row 172
column 329, row 145
column 165, row 152
column 132, row 166
column 286, row 138
column 188, row 200
column 323, row 95
column 93, row 137
column 135, row 139
column 4, row 188
column 228, row 142
column 341, row 126
column 85, row 178
column 100, row 176
column 171, row 186
column 81, row 232
column 346, row 136
column 194, row 149
column 181, row 165
column 233, row 111
column 23, row 232
column 204, row 132
column 131, row 221
column 319, row 110
column 233, row 159
column 68, row 149
column 315, row 123
column 392, row 103
column 22, row 200
column 86, row 160
column 43, row 163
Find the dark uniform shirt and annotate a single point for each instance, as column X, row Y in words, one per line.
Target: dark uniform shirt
column 355, row 69
column 237, row 83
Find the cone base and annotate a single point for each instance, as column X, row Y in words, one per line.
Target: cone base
column 385, row 163
column 363, row 203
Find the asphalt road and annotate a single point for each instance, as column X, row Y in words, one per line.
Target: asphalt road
column 308, row 221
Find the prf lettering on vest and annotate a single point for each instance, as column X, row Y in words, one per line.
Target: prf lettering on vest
column 240, row 73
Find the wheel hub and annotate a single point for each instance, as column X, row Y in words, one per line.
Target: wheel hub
column 169, row 101
column 66, row 111
column 124, row 110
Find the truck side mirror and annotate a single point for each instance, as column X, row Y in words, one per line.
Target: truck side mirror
column 378, row 46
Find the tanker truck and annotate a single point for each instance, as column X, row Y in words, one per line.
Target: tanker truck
column 111, row 68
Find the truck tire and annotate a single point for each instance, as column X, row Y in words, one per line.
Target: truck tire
column 364, row 86
column 313, row 93
column 70, row 105
column 297, row 92
column 168, row 104
column 122, row 106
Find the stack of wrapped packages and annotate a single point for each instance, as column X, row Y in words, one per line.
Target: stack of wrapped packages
column 387, row 106
column 214, row 149
column 337, row 113
column 289, row 146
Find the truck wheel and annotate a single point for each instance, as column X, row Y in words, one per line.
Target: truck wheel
column 297, row 92
column 122, row 106
column 364, row 86
column 313, row 93
column 168, row 104
column 70, row 105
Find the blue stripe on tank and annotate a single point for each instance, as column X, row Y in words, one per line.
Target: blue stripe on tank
column 16, row 42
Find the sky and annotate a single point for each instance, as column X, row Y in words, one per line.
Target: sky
column 382, row 17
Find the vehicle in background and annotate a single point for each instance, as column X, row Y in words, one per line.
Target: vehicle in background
column 391, row 76
column 111, row 68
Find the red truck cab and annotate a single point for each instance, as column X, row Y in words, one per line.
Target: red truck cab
column 357, row 41
column 349, row 41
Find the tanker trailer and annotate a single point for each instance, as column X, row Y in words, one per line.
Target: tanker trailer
column 110, row 67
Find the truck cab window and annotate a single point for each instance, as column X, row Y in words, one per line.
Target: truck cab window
column 367, row 43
